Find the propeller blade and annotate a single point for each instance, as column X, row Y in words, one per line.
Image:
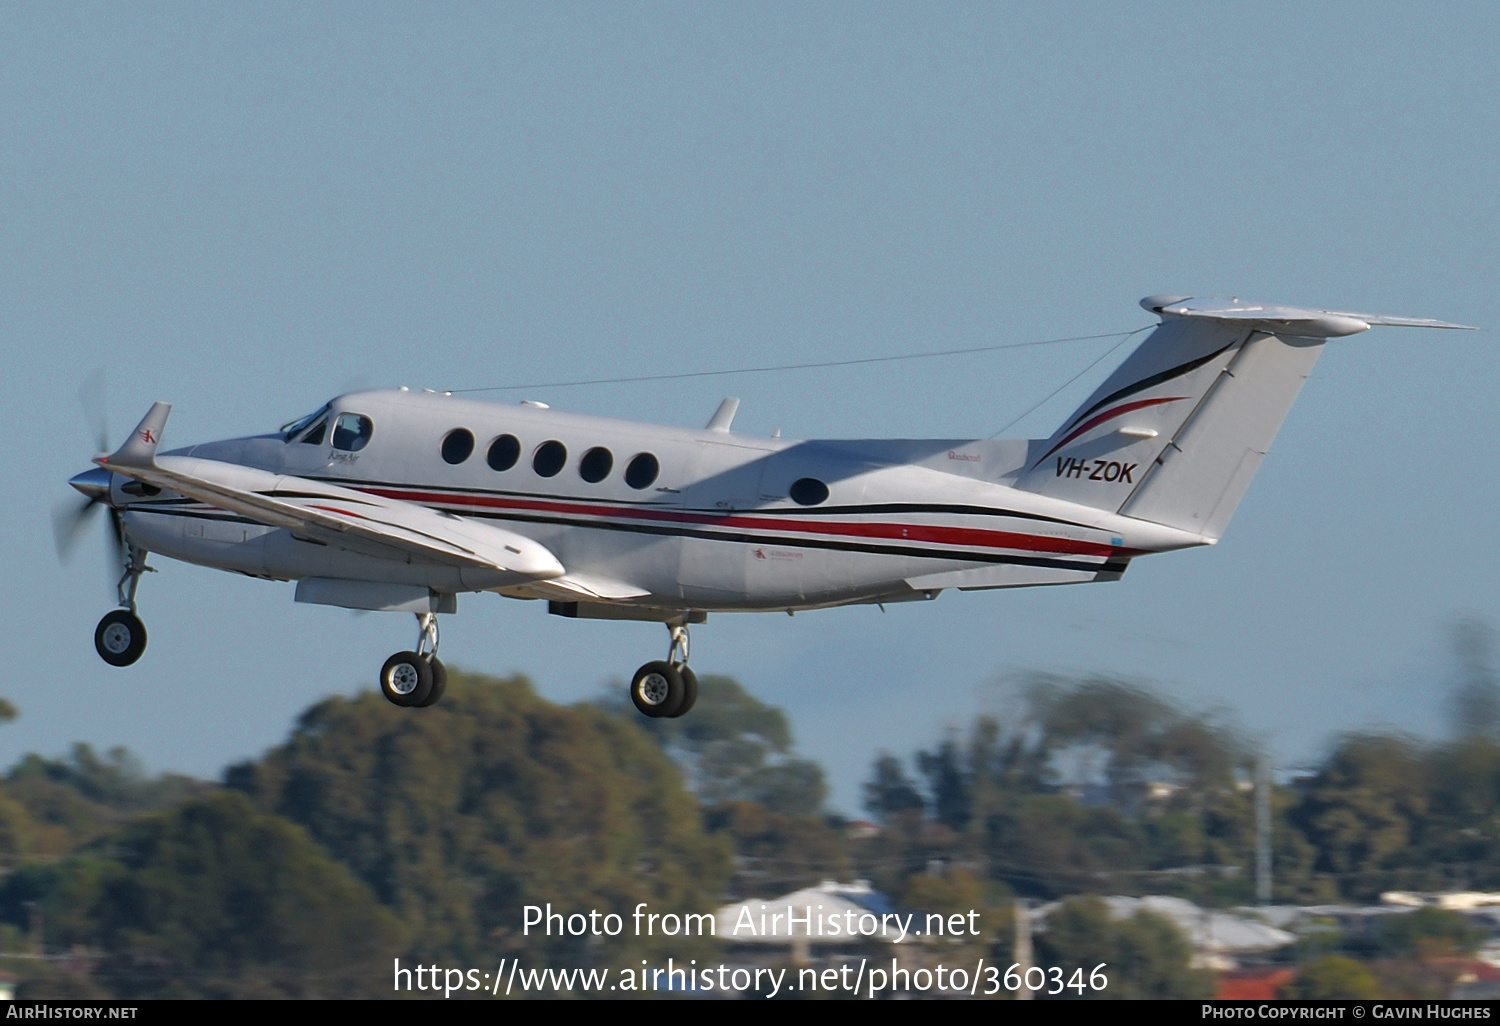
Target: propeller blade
column 93, row 397
column 68, row 521
column 116, row 540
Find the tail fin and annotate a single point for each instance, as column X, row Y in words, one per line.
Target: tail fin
column 1175, row 434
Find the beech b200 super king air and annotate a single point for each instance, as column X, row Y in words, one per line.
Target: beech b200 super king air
column 399, row 500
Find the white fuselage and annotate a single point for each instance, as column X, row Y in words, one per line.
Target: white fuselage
column 719, row 527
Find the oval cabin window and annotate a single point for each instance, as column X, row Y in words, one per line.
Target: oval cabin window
column 642, row 471
column 596, row 465
column 808, row 491
column 504, row 451
column 549, row 458
column 457, row 445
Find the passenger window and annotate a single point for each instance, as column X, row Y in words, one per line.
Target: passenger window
column 351, row 432
column 549, row 458
column 596, row 465
column 808, row 491
column 642, row 471
column 457, row 445
column 504, row 451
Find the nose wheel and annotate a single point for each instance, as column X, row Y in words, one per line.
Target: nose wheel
column 120, row 637
column 666, row 688
column 416, row 679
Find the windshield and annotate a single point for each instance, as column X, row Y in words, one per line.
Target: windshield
column 290, row 431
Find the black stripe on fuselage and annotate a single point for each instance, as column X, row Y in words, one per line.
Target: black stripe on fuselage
column 177, row 508
column 798, row 542
column 742, row 538
column 872, row 509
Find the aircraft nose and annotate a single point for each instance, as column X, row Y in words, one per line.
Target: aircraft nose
column 92, row 483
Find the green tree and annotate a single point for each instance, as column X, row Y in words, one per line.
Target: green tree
column 460, row 815
column 1091, row 779
column 957, row 891
column 1050, row 845
column 74, row 800
column 1140, row 737
column 777, row 852
column 735, row 748
column 1144, row 956
column 215, row 899
column 950, row 782
column 890, row 794
column 1427, row 932
column 1363, row 811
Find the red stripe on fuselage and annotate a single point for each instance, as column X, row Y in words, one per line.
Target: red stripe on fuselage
column 969, row 536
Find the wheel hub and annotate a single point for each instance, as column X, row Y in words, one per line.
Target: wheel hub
column 655, row 689
column 116, row 638
column 404, row 679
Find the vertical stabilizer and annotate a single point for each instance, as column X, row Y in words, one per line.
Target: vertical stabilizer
column 1198, row 478
column 1105, row 451
column 1178, row 430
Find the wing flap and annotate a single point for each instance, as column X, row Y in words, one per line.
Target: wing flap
column 572, row 587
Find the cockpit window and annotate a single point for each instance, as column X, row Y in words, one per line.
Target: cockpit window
column 296, row 427
column 314, row 434
column 351, row 432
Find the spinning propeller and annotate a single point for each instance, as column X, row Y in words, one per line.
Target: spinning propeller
column 69, row 519
column 120, row 637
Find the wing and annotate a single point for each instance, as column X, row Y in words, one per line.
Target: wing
column 341, row 517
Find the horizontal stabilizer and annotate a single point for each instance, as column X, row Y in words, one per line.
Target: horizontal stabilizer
column 1285, row 320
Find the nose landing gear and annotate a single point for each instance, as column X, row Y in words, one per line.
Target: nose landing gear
column 416, row 679
column 666, row 688
column 120, row 637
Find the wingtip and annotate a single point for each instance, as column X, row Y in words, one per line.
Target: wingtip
column 140, row 448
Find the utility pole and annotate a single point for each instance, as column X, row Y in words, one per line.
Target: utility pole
column 1022, row 950
column 1263, row 829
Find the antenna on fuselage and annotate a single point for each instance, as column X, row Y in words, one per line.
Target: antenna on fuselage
column 723, row 416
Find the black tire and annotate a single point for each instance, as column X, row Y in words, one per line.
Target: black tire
column 689, row 691
column 439, row 683
column 120, row 637
column 656, row 689
column 406, row 679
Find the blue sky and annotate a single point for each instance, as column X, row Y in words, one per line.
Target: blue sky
column 245, row 210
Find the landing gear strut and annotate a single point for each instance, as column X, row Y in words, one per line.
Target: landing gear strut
column 120, row 637
column 416, row 679
column 666, row 688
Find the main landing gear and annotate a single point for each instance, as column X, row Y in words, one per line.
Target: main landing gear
column 120, row 637
column 666, row 688
column 416, row 679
